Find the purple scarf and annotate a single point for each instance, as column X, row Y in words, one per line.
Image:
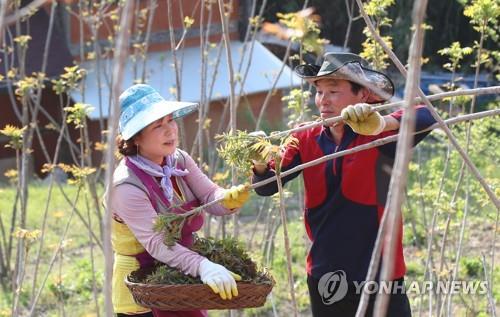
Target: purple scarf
column 165, row 172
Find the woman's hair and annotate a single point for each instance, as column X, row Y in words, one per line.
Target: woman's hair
column 126, row 148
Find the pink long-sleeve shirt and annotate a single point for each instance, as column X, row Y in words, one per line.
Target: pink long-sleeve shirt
column 134, row 208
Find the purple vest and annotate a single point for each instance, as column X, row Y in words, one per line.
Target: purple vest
column 192, row 224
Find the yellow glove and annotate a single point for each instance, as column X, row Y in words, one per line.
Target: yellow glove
column 235, row 197
column 363, row 119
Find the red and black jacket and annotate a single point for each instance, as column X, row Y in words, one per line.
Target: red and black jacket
column 344, row 197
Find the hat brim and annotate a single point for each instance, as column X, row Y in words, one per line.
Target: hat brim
column 379, row 84
column 154, row 112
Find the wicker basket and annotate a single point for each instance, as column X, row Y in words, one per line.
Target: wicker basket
column 193, row 296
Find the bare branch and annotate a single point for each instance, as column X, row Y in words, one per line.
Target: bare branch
column 3, row 9
column 25, row 11
column 399, row 175
column 491, row 300
column 121, row 53
column 477, row 91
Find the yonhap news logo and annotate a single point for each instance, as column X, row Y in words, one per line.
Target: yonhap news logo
column 332, row 287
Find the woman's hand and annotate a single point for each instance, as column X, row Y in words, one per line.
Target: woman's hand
column 221, row 280
column 236, row 197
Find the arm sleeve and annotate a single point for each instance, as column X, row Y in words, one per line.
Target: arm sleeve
column 203, row 187
column 423, row 120
column 132, row 205
column 291, row 158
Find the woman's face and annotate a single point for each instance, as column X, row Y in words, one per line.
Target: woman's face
column 158, row 139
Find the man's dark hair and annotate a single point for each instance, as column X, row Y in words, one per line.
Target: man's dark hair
column 355, row 87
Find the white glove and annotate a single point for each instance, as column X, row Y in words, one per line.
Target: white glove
column 221, row 280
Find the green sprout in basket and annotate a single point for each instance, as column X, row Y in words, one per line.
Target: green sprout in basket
column 227, row 252
column 171, row 226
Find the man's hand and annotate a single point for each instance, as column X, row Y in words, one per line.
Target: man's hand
column 363, row 119
column 259, row 164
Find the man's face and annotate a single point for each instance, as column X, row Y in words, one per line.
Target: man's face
column 333, row 95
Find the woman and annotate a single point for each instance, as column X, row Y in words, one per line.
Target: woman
column 153, row 176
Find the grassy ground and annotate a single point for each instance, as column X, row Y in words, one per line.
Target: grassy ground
column 70, row 280
column 68, row 290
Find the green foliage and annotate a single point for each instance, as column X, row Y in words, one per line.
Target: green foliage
column 22, row 40
column 484, row 16
column 270, row 151
column 305, row 31
column 377, row 8
column 414, row 269
column 226, row 252
column 163, row 274
column 455, row 53
column 27, row 85
column 372, row 51
column 297, row 105
column 171, row 226
column 299, row 248
column 493, row 64
column 428, row 174
column 80, row 174
column 237, row 150
column 413, row 236
column 188, row 22
column 83, row 282
column 76, row 276
column 485, row 154
column 60, row 290
column 77, row 286
column 69, row 80
column 78, row 114
column 473, row 267
column 15, row 136
column 28, row 236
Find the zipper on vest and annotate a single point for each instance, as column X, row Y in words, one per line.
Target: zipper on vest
column 335, row 160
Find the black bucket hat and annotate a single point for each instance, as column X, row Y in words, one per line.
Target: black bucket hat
column 350, row 67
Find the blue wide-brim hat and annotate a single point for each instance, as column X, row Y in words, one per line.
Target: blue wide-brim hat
column 141, row 105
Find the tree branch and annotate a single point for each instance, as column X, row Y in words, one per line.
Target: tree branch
column 399, row 175
column 121, row 53
column 436, row 116
column 359, row 148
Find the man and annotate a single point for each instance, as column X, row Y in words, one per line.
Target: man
column 345, row 197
